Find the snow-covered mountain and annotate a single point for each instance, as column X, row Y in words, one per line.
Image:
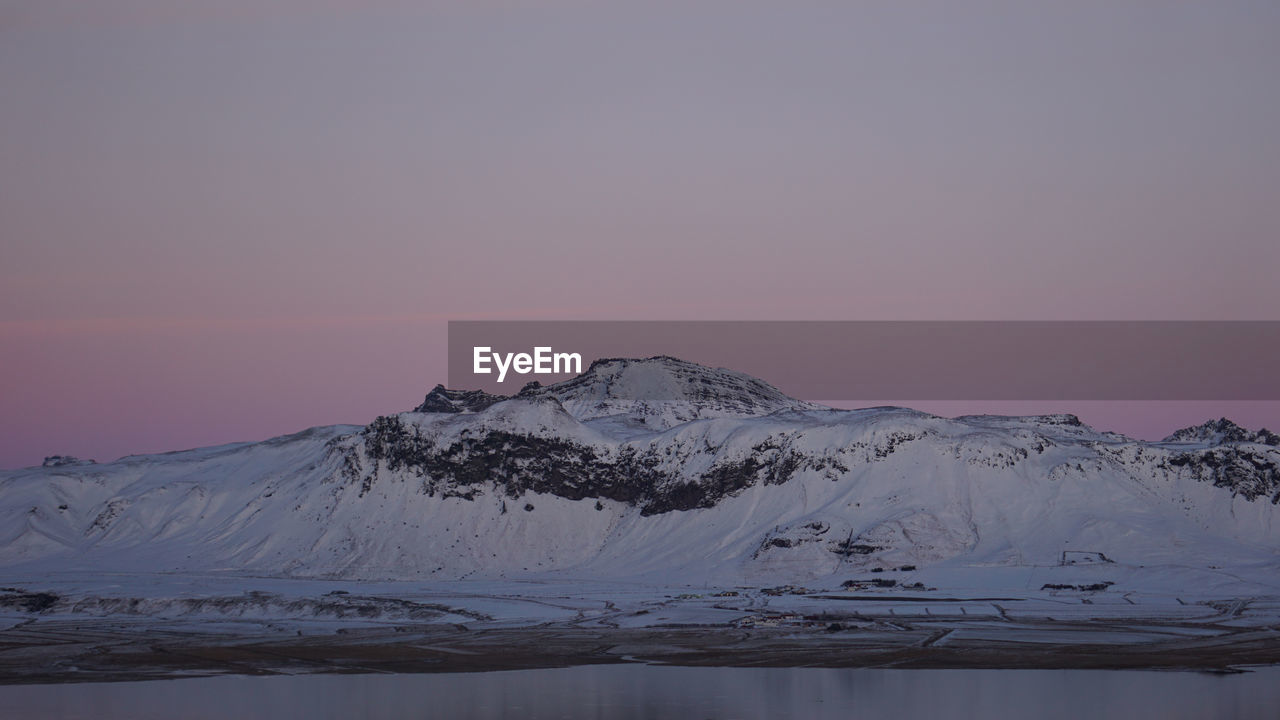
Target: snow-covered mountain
column 658, row 468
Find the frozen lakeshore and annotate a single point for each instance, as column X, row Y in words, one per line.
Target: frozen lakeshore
column 191, row 626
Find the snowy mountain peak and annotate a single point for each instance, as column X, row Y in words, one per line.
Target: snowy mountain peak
column 1222, row 431
column 444, row 400
column 664, row 391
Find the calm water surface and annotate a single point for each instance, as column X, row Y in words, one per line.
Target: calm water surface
column 642, row 691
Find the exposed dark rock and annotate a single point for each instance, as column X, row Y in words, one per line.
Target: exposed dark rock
column 519, row 463
column 1094, row 587
column 1239, row 468
column 27, row 601
column 1223, row 431
column 64, row 460
column 444, row 400
column 849, row 547
column 873, row 582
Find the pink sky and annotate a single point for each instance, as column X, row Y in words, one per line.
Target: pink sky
column 222, row 223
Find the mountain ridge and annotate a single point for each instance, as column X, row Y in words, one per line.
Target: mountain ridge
column 590, row 476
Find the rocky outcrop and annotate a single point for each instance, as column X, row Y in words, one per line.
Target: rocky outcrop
column 444, row 400
column 1221, row 432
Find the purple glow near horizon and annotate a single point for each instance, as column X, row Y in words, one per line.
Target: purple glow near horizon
column 223, row 222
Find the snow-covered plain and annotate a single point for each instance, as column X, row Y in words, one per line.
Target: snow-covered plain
column 653, row 493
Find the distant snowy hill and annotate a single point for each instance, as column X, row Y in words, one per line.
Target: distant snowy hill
column 659, row 468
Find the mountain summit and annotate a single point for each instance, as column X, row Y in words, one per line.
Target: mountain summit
column 1218, row 432
column 663, row 391
column 444, row 400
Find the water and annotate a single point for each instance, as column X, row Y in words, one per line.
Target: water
column 642, row 691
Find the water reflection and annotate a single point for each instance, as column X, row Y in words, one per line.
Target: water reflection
column 639, row 691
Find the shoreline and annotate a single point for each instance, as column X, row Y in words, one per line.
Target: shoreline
column 107, row 628
column 100, row 650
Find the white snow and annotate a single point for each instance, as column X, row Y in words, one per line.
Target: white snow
column 978, row 505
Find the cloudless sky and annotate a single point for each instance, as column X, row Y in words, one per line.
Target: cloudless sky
column 227, row 220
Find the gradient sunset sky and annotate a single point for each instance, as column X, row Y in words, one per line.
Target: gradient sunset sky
column 229, row 220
